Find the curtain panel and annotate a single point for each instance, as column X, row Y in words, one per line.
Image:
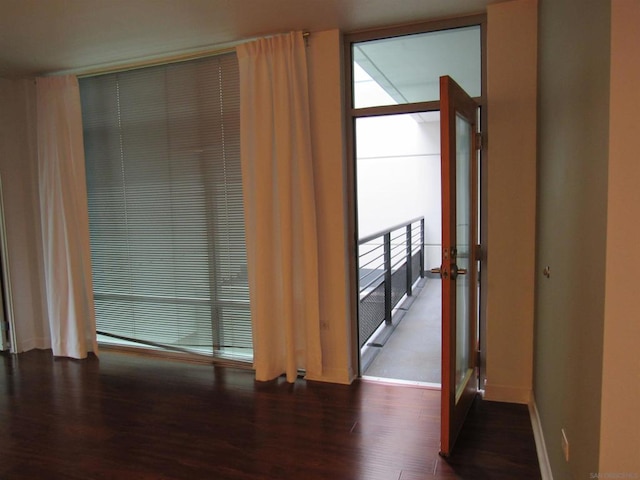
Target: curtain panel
column 64, row 218
column 280, row 209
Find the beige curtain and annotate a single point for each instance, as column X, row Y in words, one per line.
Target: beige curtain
column 280, row 208
column 64, row 217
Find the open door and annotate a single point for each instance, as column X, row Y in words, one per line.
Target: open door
column 459, row 267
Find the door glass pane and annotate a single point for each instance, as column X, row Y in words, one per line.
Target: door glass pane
column 407, row 69
column 463, row 248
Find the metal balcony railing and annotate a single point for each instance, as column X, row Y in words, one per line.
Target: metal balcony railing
column 390, row 262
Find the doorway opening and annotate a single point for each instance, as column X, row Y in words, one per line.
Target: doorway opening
column 395, row 136
column 399, row 225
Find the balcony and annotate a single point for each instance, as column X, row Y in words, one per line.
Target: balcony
column 399, row 306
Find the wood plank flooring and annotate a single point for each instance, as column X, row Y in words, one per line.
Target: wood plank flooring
column 129, row 417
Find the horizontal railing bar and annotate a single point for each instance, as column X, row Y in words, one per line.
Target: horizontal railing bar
column 371, row 261
column 399, row 253
column 394, row 268
column 398, row 241
column 388, row 230
column 394, row 250
column 367, row 295
column 376, row 252
column 381, row 246
column 372, row 267
column 401, row 262
column 373, row 253
column 371, row 272
column 398, row 245
column 375, row 280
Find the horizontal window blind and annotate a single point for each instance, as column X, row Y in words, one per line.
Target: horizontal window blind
column 162, row 147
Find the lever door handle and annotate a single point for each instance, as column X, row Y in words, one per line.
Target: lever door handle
column 455, row 271
column 439, row 271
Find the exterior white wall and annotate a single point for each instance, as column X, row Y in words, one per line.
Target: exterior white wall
column 398, row 176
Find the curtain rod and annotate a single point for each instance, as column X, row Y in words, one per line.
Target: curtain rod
column 161, row 59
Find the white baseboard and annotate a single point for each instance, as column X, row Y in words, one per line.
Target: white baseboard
column 538, row 435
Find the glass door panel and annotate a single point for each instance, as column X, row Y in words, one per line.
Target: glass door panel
column 459, row 266
column 463, row 251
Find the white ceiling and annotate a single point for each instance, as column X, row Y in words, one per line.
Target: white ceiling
column 40, row 36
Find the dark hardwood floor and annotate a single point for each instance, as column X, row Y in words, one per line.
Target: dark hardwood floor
column 129, row 417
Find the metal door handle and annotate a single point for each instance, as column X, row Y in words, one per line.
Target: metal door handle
column 455, row 271
column 439, row 271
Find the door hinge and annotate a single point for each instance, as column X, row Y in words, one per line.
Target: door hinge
column 479, row 141
column 478, row 252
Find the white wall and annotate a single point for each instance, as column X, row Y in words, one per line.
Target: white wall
column 398, row 176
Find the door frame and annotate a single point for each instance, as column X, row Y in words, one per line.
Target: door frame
column 351, row 114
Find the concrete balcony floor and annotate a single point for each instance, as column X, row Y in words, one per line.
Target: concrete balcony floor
column 412, row 352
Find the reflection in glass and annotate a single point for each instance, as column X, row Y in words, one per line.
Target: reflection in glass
column 463, row 247
column 407, row 69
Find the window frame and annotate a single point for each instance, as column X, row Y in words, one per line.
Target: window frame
column 352, row 113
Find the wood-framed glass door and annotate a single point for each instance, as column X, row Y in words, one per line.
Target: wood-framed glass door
column 459, row 267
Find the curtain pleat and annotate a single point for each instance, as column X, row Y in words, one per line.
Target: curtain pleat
column 64, row 218
column 280, row 209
